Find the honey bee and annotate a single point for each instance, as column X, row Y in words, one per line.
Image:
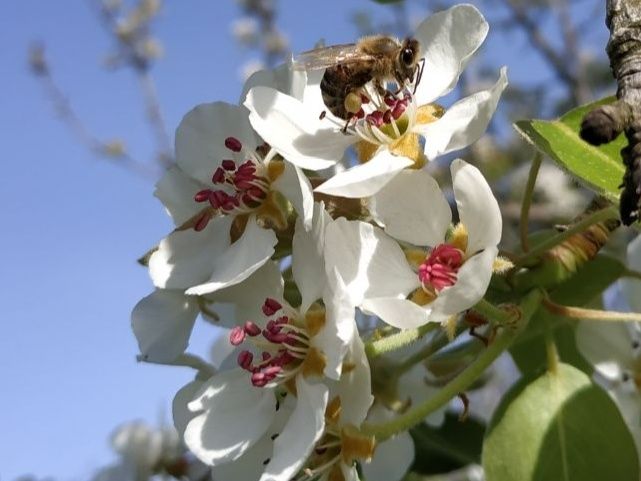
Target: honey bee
column 350, row 67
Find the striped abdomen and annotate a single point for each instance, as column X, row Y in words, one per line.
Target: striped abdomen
column 339, row 81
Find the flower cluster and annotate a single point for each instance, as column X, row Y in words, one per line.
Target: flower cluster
column 272, row 222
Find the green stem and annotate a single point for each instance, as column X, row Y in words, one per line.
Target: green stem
column 594, row 218
column 397, row 341
column 461, row 382
column 439, row 341
column 631, row 273
column 495, row 314
column 527, row 200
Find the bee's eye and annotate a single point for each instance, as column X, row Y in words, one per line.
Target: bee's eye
column 407, row 56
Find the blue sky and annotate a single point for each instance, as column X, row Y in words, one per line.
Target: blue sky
column 73, row 225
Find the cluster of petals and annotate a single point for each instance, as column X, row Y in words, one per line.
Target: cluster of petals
column 440, row 271
column 386, row 143
column 290, row 385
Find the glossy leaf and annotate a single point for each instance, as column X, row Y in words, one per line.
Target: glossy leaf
column 451, row 446
column 598, row 168
column 559, row 427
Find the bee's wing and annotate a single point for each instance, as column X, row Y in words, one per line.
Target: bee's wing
column 324, row 57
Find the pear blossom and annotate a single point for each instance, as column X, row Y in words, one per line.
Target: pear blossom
column 163, row 321
column 286, row 350
column 392, row 131
column 145, row 451
column 441, row 271
column 341, row 444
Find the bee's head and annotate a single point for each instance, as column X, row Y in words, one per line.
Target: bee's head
column 407, row 61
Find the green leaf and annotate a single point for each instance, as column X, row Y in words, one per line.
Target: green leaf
column 599, row 168
column 451, row 446
column 559, row 427
column 590, row 280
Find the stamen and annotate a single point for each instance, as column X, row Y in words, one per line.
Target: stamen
column 233, row 144
column 271, row 306
column 441, row 267
column 237, row 336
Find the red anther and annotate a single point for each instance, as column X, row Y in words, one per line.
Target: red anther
column 272, row 371
column 218, row 198
column 228, row 164
column 251, row 329
column 390, row 100
column 275, row 337
column 266, row 356
column 364, row 99
column 237, row 336
column 398, row 110
column 440, row 269
column 219, row 176
column 283, row 320
column 375, row 118
column 271, row 306
column 245, row 359
column 233, row 144
column 202, row 196
column 247, row 166
column 258, row 379
column 202, row 222
column 273, row 327
column 360, row 114
column 387, row 117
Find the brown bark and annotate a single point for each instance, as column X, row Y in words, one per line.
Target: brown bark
column 605, row 123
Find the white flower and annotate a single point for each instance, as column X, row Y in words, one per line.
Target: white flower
column 292, row 350
column 614, row 349
column 340, row 444
column 388, row 129
column 144, row 451
column 448, row 277
column 232, row 192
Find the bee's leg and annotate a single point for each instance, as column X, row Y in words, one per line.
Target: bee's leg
column 379, row 87
column 344, row 129
column 419, row 74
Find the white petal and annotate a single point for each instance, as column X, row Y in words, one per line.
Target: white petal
column 472, row 282
column 294, row 131
column 233, row 415
column 393, row 457
column 477, row 207
column 248, row 296
column 186, row 258
column 308, row 265
column 294, row 185
column 162, row 323
column 283, row 78
column 413, row 209
column 250, row 466
column 370, row 263
column 200, row 138
column 304, row 428
column 240, row 260
column 632, row 287
column 176, row 191
column 180, row 412
column 448, row 40
column 607, row 346
column 365, row 179
column 464, row 122
column 399, row 313
column 355, row 386
column 336, row 335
